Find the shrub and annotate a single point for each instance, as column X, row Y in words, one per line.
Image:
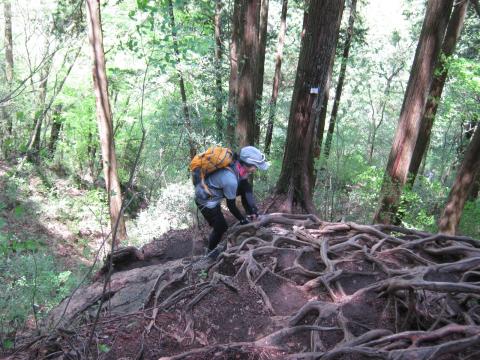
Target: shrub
column 174, row 209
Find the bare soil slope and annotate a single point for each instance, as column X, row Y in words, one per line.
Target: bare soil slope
column 287, row 287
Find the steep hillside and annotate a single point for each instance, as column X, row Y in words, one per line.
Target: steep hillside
column 286, row 287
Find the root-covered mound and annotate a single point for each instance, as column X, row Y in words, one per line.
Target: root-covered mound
column 287, row 287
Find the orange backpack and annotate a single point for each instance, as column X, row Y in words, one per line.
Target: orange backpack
column 206, row 163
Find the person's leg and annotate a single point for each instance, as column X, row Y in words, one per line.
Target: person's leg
column 216, row 220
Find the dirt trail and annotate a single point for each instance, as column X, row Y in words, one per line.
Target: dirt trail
column 287, row 287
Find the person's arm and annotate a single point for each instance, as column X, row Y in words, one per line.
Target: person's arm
column 230, row 192
column 248, row 200
column 234, row 210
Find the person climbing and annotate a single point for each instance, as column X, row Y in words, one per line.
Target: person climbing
column 228, row 183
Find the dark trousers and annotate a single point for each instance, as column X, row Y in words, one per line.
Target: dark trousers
column 216, row 220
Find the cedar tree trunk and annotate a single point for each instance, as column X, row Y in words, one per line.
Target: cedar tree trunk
column 413, row 108
column 341, row 78
column 233, row 79
column 245, row 130
column 218, row 69
column 319, row 41
column 466, row 176
column 454, row 29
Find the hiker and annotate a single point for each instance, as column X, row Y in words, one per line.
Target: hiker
column 229, row 182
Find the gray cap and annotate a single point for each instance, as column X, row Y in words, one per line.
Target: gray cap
column 252, row 156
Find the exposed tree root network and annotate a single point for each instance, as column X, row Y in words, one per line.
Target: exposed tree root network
column 287, row 287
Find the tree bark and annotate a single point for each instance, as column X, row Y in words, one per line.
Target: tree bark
column 276, row 76
column 218, row 69
column 466, row 176
column 262, row 44
column 183, row 94
column 104, row 117
column 57, row 123
column 341, row 78
column 475, row 190
column 233, row 79
column 245, row 130
column 319, row 41
column 413, row 108
column 454, row 29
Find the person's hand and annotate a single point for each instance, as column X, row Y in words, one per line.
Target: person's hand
column 252, row 217
column 244, row 221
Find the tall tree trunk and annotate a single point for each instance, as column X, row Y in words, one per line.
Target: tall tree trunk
column 319, row 41
column 454, row 29
column 183, row 94
column 245, row 130
column 104, row 117
column 233, row 79
column 466, row 176
column 413, row 108
column 341, row 78
column 276, row 76
column 218, row 69
column 262, row 44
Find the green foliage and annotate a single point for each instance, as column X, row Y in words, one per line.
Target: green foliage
column 30, row 284
column 103, row 348
column 469, row 224
column 174, row 209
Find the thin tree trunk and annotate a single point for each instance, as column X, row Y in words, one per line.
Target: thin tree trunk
column 319, row 41
column 218, row 69
column 7, row 6
column 376, row 126
column 321, row 116
column 44, row 108
column 104, row 117
column 183, row 94
column 245, row 130
column 34, row 143
column 466, row 176
column 454, row 29
column 262, row 44
column 276, row 76
column 233, row 79
column 92, row 157
column 341, row 79
column 57, row 123
column 413, row 108
column 6, row 119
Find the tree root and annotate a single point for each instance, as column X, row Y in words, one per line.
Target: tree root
column 377, row 292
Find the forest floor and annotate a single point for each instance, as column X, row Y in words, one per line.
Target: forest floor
column 285, row 287
column 30, row 214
